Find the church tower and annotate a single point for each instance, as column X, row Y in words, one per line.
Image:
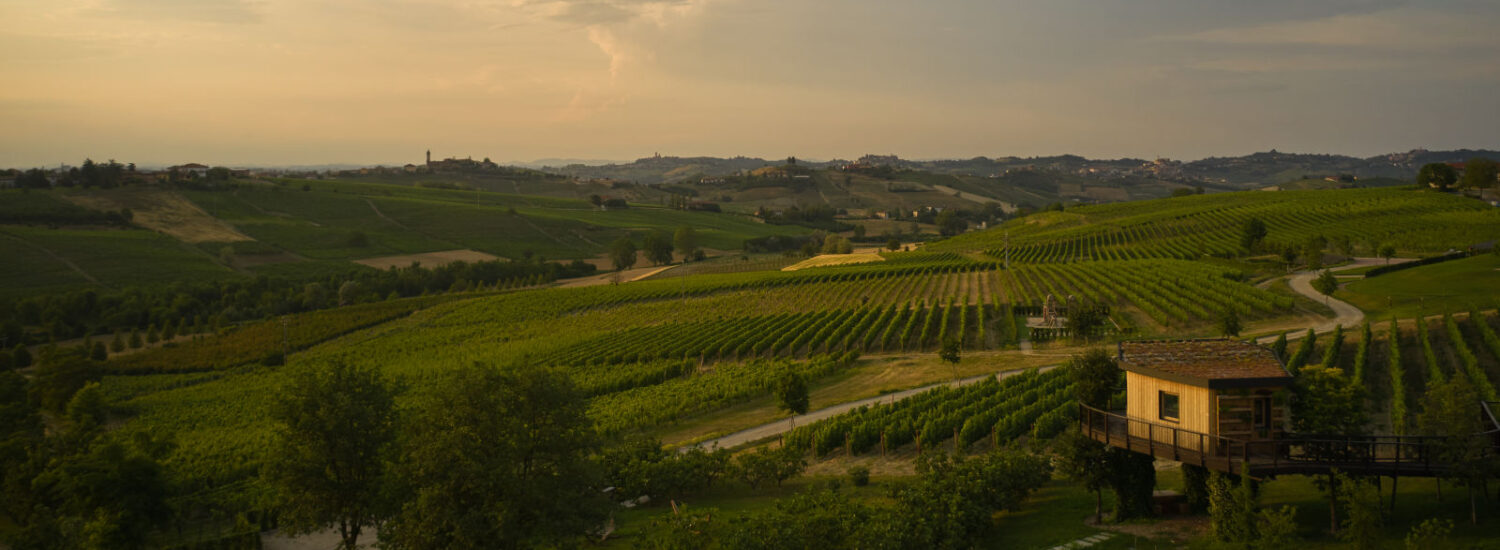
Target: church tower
column 429, row 158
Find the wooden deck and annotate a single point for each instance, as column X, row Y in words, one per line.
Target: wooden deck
column 1366, row 455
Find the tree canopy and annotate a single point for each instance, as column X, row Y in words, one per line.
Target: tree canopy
column 1437, row 175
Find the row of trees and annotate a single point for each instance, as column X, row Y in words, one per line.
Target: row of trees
column 658, row 246
column 1478, row 173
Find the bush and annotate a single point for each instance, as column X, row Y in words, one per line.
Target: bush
column 859, row 476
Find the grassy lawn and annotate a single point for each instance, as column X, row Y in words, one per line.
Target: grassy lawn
column 1449, row 286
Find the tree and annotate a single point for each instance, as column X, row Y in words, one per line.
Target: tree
column 1095, row 377
column 496, row 458
column 1312, row 252
column 1387, row 252
column 1431, row 534
column 949, row 223
column 1252, row 234
column 1326, row 283
column 658, row 246
column 1362, row 502
column 1229, row 324
column 893, row 244
column 20, row 357
column 333, row 427
column 596, row 200
column 791, row 392
column 1327, row 404
column 686, row 241
column 1083, row 460
column 950, row 352
column 622, row 253
column 1082, row 321
column 1449, row 412
column 1480, row 173
column 1436, row 175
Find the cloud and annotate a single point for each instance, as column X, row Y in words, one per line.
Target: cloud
column 1401, row 29
column 209, row 11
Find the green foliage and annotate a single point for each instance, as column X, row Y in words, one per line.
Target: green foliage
column 334, row 425
column 496, row 458
column 1361, row 501
column 791, row 392
column 1431, row 534
column 60, row 376
column 1437, row 175
column 1276, row 528
column 1335, row 347
column 1303, row 353
column 622, row 253
column 1252, row 233
column 1279, row 346
column 1229, row 324
column 950, row 352
column 658, row 247
column 1132, row 476
column 1095, row 377
column 1399, row 412
column 1325, row 283
column 1082, row 459
column 767, row 465
column 1480, row 173
column 859, row 476
column 1195, row 486
column 1232, row 507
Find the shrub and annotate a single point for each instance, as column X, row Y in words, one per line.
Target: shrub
column 859, row 476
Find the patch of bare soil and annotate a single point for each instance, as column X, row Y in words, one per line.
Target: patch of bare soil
column 428, row 259
column 165, row 212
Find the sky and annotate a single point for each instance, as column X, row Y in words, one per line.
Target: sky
column 287, row 82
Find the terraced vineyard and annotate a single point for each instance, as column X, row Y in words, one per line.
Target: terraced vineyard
column 1209, row 225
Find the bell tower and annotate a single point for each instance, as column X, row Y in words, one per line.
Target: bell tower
column 429, row 158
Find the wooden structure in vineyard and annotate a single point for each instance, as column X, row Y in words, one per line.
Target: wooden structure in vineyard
column 1224, row 405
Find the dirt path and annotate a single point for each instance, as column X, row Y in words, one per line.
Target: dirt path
column 65, row 261
column 382, row 215
column 627, row 276
column 1345, row 314
column 773, row 429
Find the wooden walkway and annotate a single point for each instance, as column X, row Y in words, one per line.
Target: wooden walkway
column 1368, row 455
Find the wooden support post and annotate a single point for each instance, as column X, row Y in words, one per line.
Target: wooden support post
column 1394, row 478
column 882, row 444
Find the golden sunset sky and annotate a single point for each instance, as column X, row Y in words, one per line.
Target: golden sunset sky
column 281, row 82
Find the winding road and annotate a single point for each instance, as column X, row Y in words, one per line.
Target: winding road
column 773, row 429
column 1344, row 314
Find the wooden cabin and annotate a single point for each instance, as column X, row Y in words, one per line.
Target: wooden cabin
column 1190, row 393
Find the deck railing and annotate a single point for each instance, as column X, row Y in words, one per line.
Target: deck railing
column 1303, row 454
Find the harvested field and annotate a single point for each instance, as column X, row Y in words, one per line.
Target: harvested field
column 165, row 212
column 428, row 259
column 834, row 259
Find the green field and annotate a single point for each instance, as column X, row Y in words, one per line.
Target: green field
column 116, row 258
column 1429, row 289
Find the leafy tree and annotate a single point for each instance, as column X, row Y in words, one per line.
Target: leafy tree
column 1480, row 173
column 1252, row 234
column 622, row 253
column 1387, row 252
column 117, row 345
column 954, row 501
column 1132, row 476
column 333, row 426
column 1082, row 459
column 1312, row 252
column 818, row 519
column 20, row 357
column 791, row 392
column 950, row 223
column 1325, row 283
column 1279, row 346
column 496, row 458
column 1082, row 321
column 1362, row 502
column 86, row 409
column 1449, row 412
column 951, row 352
column 135, row 339
column 596, row 200
column 685, row 240
column 1229, row 324
column 98, row 352
column 1328, row 404
column 893, row 244
column 1437, row 175
column 1232, row 503
column 1095, row 377
column 658, row 246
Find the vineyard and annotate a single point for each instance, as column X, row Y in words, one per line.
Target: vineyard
column 1032, row 403
column 1209, row 225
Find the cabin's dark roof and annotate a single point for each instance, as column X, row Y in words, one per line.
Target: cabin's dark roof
column 1210, row 363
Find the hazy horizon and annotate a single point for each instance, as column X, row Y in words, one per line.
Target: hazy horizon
column 280, row 83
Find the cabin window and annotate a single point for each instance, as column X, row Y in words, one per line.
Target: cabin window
column 1169, row 404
